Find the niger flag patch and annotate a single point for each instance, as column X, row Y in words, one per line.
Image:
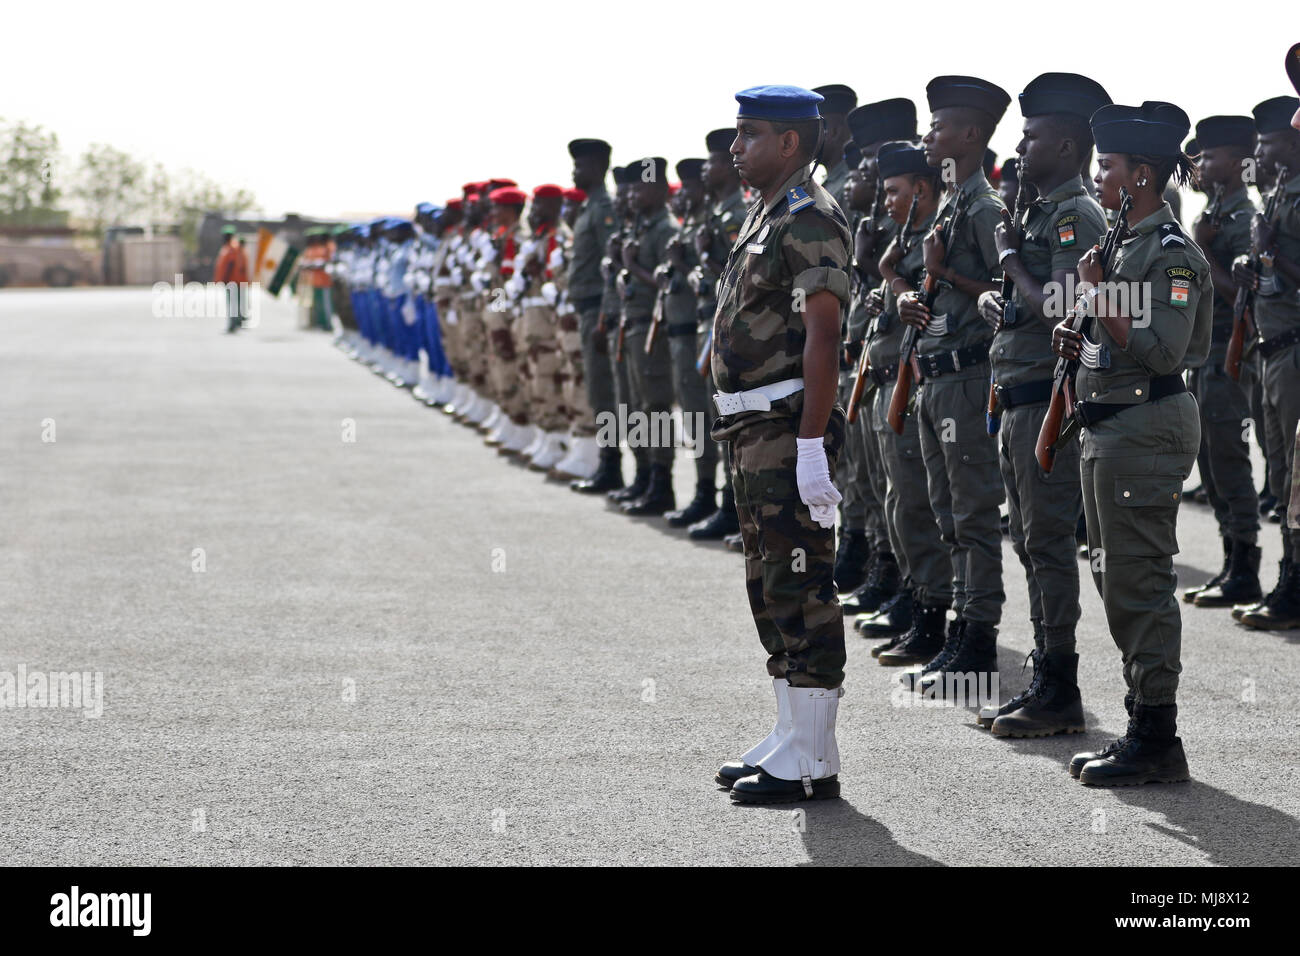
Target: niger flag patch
column 1178, row 291
column 1065, row 230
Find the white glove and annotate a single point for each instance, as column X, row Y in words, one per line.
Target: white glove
column 551, row 293
column 813, row 475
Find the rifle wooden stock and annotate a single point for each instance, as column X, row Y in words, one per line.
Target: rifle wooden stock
column 1050, row 431
column 859, row 384
column 902, row 384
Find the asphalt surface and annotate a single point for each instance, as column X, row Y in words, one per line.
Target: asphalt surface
column 404, row 650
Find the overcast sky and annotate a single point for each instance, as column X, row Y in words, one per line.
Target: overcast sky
column 332, row 108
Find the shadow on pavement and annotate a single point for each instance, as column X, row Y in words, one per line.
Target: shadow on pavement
column 837, row 834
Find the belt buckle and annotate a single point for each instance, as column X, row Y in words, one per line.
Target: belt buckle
column 956, row 361
column 929, row 365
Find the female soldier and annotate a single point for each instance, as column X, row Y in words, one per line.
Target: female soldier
column 1151, row 318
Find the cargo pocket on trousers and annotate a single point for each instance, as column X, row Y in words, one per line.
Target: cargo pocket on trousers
column 1146, row 515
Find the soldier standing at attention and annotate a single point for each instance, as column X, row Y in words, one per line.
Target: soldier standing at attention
column 776, row 344
column 1223, row 233
column 678, row 303
column 952, row 352
column 1141, row 428
column 1043, row 508
column 1277, row 316
column 232, row 269
column 713, row 242
column 586, row 289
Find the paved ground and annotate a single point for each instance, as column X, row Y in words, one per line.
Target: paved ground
column 404, row 650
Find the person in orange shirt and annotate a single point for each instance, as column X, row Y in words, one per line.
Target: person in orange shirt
column 319, row 251
column 232, row 270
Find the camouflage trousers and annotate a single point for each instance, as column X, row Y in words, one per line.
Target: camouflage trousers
column 916, row 532
column 474, row 343
column 789, row 558
column 506, row 363
column 568, row 329
column 449, row 327
column 545, row 366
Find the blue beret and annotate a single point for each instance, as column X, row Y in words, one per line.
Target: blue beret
column 1063, row 93
column 1153, row 129
column 379, row 223
column 1275, row 114
column 789, row 104
column 425, row 209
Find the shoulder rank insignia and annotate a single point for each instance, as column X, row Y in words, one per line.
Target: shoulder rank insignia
column 1171, row 235
column 1180, row 285
column 798, row 199
column 1065, row 230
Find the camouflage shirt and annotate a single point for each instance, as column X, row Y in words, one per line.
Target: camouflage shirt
column 973, row 253
column 787, row 250
column 1059, row 228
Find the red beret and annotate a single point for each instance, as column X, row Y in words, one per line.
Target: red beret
column 508, row 196
column 455, row 203
column 673, row 188
column 473, row 187
column 574, row 194
column 493, row 184
column 472, row 197
column 547, row 191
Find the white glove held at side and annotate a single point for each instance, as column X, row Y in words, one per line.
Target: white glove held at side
column 813, row 475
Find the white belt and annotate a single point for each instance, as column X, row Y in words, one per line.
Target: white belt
column 756, row 399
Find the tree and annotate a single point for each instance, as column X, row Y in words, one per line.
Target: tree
column 111, row 184
column 29, row 190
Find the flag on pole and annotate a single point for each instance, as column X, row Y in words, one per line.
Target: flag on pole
column 275, row 262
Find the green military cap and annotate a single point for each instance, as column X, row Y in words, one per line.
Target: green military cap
column 228, row 230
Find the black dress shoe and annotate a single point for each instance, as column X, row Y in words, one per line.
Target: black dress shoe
column 731, row 771
column 762, row 787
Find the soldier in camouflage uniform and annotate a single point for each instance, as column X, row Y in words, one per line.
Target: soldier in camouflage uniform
column 581, row 461
column 952, row 350
column 1223, row 233
column 713, row 242
column 500, row 316
column 471, row 296
column 1044, row 508
column 444, row 299
column 1140, row 427
column 776, row 341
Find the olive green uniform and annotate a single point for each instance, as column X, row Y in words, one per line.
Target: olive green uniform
column 1134, row 463
column 586, row 290
column 650, row 377
column 799, row 241
column 1043, row 508
column 961, row 459
column 916, row 532
column 680, row 326
column 1224, row 459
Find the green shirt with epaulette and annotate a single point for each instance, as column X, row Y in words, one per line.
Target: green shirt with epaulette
column 1163, row 269
column 679, row 301
column 1275, row 314
column 858, row 319
column 1059, row 228
column 1231, row 240
column 973, row 253
column 651, row 240
column 885, row 337
column 723, row 224
column 591, row 231
column 787, row 251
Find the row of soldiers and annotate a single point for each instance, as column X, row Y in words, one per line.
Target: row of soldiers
column 540, row 319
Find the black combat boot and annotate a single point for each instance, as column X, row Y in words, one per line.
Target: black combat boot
column 1149, row 752
column 851, row 561
column 951, row 642
column 922, row 641
column 893, row 618
column 719, row 524
column 608, row 476
column 989, row 714
column 1281, row 612
column 976, row 653
column 1240, row 585
column 640, row 482
column 1283, row 569
column 702, row 505
column 1079, row 760
column 903, row 597
column 1054, row 704
column 658, row 496
column 1189, row 595
column 881, row 584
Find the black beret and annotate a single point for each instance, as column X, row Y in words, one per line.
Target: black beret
column 852, row 155
column 836, row 98
column 884, row 121
column 1063, row 93
column 1192, row 148
column 1293, row 66
column 1152, row 129
column 900, row 159
column 689, row 169
column 621, row 175
column 590, row 147
column 1225, row 131
column 652, row 169
column 1010, row 168
column 720, row 140
column 990, row 162
column 1275, row 114
column 970, row 91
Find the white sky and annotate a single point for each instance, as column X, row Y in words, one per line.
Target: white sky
column 330, row 108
